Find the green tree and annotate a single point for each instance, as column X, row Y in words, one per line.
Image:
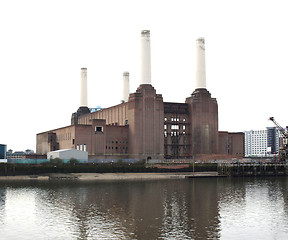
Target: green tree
column 56, row 161
column 73, row 161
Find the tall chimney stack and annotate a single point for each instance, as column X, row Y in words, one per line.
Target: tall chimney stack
column 126, row 89
column 145, row 58
column 83, row 88
column 200, row 64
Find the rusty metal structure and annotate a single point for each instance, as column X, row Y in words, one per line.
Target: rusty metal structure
column 283, row 150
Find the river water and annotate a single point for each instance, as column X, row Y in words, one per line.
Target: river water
column 204, row 208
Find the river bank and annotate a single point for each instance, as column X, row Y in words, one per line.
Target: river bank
column 109, row 176
column 121, row 171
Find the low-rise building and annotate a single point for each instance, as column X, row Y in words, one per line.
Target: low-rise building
column 67, row 154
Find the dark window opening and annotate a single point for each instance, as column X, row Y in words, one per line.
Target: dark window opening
column 98, row 129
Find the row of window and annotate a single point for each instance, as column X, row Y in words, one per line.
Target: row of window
column 117, row 142
column 81, row 147
column 175, row 119
column 173, row 133
column 175, row 127
column 109, row 147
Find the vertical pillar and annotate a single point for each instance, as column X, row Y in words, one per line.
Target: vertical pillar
column 126, row 88
column 200, row 76
column 145, row 77
column 83, row 88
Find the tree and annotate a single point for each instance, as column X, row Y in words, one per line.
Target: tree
column 73, row 161
column 56, row 161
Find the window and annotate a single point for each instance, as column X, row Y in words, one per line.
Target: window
column 98, row 129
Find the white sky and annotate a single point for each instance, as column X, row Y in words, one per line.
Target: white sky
column 43, row 45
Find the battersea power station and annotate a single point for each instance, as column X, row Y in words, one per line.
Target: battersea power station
column 143, row 126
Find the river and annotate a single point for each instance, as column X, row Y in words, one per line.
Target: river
column 202, row 208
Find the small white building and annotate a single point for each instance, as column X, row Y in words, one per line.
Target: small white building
column 67, row 154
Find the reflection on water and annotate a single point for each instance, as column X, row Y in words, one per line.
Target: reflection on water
column 165, row 209
column 259, row 207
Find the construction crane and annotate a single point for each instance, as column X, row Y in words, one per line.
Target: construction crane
column 283, row 151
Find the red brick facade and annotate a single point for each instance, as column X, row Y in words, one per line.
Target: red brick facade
column 146, row 127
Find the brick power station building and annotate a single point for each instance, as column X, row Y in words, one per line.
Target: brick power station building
column 143, row 126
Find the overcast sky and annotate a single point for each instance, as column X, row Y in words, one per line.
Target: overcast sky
column 44, row 44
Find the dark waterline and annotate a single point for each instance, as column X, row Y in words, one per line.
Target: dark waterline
column 230, row 208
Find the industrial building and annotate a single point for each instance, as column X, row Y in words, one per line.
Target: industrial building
column 143, row 126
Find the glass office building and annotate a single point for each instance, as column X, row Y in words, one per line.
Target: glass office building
column 3, row 149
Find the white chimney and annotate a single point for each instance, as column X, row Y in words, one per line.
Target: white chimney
column 83, row 88
column 200, row 63
column 145, row 77
column 126, row 89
